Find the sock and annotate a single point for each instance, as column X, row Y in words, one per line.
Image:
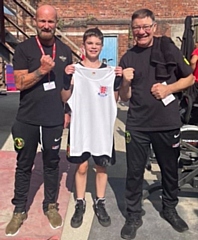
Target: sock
column 100, row 199
column 81, row 199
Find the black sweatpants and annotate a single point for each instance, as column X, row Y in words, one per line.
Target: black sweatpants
column 167, row 150
column 26, row 138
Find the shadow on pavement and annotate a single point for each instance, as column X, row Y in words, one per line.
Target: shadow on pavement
column 8, row 107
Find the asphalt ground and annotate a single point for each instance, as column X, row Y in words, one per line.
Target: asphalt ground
column 36, row 227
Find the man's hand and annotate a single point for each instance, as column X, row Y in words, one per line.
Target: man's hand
column 47, row 64
column 128, row 74
column 160, row 91
column 125, row 92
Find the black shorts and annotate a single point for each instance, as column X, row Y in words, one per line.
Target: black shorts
column 102, row 160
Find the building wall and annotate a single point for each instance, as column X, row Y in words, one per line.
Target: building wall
column 123, row 8
column 113, row 18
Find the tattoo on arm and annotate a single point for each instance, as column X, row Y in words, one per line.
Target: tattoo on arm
column 38, row 75
column 25, row 81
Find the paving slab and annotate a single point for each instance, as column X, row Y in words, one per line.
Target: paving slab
column 36, row 227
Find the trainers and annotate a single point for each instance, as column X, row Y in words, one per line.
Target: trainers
column 171, row 216
column 53, row 216
column 77, row 218
column 130, row 227
column 100, row 211
column 15, row 223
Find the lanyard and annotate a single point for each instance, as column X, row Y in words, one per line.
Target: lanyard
column 43, row 53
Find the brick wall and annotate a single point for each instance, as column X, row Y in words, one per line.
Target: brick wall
column 113, row 17
column 170, row 15
column 123, row 8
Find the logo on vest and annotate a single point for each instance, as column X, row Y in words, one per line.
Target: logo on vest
column 103, row 91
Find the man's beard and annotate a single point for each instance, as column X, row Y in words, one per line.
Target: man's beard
column 46, row 35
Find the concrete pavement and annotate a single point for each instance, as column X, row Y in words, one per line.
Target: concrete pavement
column 37, row 227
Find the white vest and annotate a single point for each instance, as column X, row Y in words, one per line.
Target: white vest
column 94, row 111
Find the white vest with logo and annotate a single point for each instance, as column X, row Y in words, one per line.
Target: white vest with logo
column 94, row 111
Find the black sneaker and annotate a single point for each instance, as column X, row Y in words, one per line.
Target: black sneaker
column 77, row 218
column 130, row 227
column 171, row 216
column 101, row 213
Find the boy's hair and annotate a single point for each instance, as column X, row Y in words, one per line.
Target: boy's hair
column 93, row 32
column 142, row 13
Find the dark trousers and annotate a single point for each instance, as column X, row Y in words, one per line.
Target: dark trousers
column 167, row 150
column 26, row 138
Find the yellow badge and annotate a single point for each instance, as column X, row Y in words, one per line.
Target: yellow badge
column 19, row 143
column 186, row 61
column 127, row 137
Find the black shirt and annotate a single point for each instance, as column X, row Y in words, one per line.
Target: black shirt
column 37, row 106
column 146, row 113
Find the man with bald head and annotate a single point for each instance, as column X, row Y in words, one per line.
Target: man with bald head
column 39, row 69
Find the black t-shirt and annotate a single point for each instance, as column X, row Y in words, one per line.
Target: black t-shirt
column 37, row 106
column 146, row 113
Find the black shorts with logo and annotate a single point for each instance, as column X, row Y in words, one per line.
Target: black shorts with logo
column 102, row 160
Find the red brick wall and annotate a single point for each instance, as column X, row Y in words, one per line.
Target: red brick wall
column 123, row 8
column 167, row 12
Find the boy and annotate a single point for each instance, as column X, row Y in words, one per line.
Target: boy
column 93, row 42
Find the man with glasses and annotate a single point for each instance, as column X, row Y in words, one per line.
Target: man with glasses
column 153, row 72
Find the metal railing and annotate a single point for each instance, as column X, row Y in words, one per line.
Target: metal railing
column 26, row 29
column 31, row 12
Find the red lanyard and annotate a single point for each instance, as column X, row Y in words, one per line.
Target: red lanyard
column 43, row 53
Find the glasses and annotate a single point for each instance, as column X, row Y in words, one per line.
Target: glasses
column 146, row 28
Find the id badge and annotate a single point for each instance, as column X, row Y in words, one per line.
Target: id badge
column 49, row 86
column 168, row 99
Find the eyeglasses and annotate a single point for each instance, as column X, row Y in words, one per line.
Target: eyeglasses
column 146, row 28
